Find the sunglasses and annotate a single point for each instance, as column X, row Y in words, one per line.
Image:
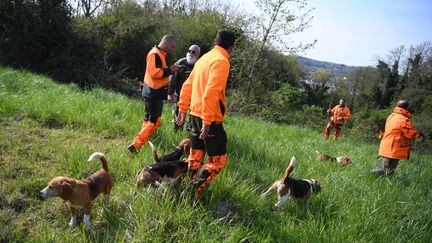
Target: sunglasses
column 191, row 51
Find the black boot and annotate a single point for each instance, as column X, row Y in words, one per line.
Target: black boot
column 200, row 179
column 377, row 171
column 132, row 149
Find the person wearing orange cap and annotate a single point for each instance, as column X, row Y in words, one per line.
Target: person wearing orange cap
column 396, row 141
column 338, row 115
column 203, row 94
column 155, row 89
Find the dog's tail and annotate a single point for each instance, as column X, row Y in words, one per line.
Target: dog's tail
column 290, row 168
column 154, row 152
column 102, row 157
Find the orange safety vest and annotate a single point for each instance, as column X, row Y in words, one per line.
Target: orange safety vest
column 204, row 91
column 398, row 133
column 156, row 77
column 339, row 111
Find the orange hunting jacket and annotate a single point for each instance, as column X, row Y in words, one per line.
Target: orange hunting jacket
column 204, row 90
column 338, row 111
column 398, row 133
column 156, row 75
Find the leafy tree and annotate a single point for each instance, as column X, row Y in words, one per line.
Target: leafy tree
column 316, row 90
column 277, row 20
column 35, row 34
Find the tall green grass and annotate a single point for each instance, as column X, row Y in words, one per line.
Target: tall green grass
column 49, row 129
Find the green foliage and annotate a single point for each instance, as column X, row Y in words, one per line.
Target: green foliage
column 35, row 34
column 367, row 123
column 287, row 97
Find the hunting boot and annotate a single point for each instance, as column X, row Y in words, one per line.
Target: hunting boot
column 195, row 159
column 390, row 165
column 212, row 168
column 377, row 171
column 145, row 133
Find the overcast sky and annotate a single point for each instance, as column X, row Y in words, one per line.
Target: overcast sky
column 355, row 32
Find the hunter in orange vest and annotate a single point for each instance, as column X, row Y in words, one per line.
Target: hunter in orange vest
column 203, row 94
column 338, row 115
column 155, row 89
column 396, row 141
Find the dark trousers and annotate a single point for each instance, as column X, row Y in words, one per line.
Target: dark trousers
column 216, row 141
column 152, row 109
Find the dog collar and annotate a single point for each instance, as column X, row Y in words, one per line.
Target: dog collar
column 312, row 185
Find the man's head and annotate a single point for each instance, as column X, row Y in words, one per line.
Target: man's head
column 167, row 43
column 403, row 104
column 193, row 54
column 342, row 102
column 225, row 39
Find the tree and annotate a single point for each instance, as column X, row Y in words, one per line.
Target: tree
column 316, row 90
column 35, row 34
column 280, row 20
column 361, row 84
column 87, row 8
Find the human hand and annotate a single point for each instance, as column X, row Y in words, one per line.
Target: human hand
column 180, row 118
column 170, row 99
column 175, row 68
column 204, row 131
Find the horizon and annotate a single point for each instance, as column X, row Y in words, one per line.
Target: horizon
column 370, row 29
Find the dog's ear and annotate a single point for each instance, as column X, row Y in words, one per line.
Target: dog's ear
column 65, row 187
column 186, row 148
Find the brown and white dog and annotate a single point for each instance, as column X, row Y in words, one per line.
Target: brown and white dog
column 182, row 149
column 80, row 193
column 343, row 160
column 152, row 175
column 289, row 187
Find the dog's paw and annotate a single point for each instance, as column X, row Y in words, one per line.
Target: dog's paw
column 73, row 222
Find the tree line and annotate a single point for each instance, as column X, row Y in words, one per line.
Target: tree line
column 104, row 43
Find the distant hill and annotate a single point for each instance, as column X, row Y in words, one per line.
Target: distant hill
column 339, row 69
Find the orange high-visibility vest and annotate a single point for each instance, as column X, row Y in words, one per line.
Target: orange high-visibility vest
column 156, row 77
column 339, row 111
column 204, row 91
column 398, row 133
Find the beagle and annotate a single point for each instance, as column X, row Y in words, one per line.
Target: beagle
column 182, row 149
column 343, row 160
column 152, row 175
column 80, row 193
column 289, row 187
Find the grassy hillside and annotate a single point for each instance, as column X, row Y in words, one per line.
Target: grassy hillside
column 47, row 129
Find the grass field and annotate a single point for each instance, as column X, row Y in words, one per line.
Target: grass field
column 48, row 129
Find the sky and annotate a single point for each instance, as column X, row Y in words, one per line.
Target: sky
column 357, row 32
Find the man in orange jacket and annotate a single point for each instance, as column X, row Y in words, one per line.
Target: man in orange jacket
column 338, row 115
column 203, row 94
column 154, row 90
column 396, row 141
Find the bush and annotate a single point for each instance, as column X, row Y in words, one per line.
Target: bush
column 367, row 123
